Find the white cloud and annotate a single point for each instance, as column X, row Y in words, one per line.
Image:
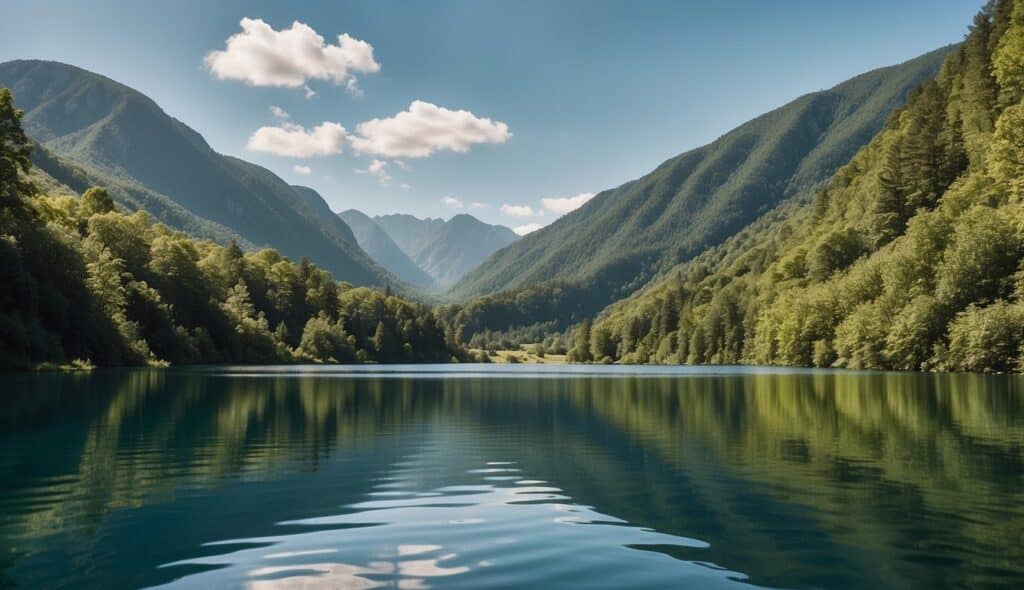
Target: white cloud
column 279, row 113
column 426, row 128
column 404, row 186
column 310, row 93
column 300, row 169
column 528, row 228
column 477, row 205
column 261, row 56
column 296, row 141
column 353, row 88
column 517, row 210
column 415, row 133
column 450, row 201
column 566, row 204
column 376, row 168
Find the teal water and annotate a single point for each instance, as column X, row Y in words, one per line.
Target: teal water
column 510, row 477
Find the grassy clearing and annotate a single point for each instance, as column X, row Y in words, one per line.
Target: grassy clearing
column 525, row 354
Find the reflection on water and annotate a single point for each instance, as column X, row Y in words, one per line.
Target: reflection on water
column 288, row 479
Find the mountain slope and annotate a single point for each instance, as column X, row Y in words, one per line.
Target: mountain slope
column 910, row 259
column 62, row 176
column 118, row 137
column 625, row 236
column 376, row 242
column 446, row 250
column 323, row 213
column 462, row 243
column 412, row 234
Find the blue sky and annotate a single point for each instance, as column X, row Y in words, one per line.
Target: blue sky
column 563, row 98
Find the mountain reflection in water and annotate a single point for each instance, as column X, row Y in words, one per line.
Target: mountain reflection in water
column 601, row 478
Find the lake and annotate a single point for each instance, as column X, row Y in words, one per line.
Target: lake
column 504, row 476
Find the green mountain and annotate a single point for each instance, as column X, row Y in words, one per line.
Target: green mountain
column 97, row 131
column 911, row 258
column 625, row 236
column 460, row 245
column 412, row 234
column 384, row 251
column 446, row 250
column 323, row 213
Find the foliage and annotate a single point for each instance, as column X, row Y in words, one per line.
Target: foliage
column 148, row 161
column 911, row 258
column 82, row 280
column 625, row 237
column 14, row 161
column 511, row 317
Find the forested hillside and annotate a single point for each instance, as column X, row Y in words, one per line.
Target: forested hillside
column 96, row 131
column 83, row 280
column 624, row 237
column 911, row 258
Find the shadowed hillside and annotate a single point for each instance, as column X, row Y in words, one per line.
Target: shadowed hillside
column 623, row 237
column 384, row 251
column 98, row 132
column 446, row 250
column 910, row 259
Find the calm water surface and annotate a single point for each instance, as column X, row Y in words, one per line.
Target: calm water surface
column 510, row 477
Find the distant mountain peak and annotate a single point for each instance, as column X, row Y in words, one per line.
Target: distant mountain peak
column 446, row 250
column 384, row 251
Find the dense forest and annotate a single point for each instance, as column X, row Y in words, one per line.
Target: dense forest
column 83, row 280
column 911, row 258
column 622, row 238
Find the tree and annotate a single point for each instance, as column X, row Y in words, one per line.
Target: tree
column 1008, row 61
column 986, row 339
column 15, row 152
column 602, row 348
column 382, row 341
column 980, row 262
column 835, row 252
column 669, row 314
column 889, row 215
column 581, row 348
column 979, row 89
column 325, row 340
column 1006, row 156
column 909, row 342
column 253, row 340
column 97, row 200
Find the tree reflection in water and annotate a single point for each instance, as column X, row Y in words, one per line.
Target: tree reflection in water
column 799, row 478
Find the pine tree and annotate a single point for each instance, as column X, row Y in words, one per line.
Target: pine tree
column 669, row 314
column 14, row 157
column 979, row 89
column 889, row 215
column 922, row 151
column 1008, row 62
